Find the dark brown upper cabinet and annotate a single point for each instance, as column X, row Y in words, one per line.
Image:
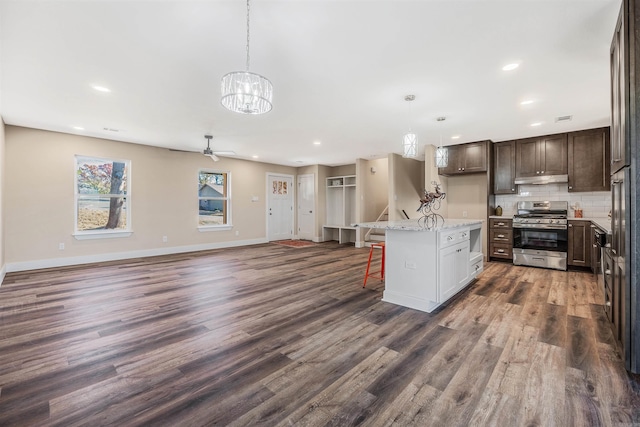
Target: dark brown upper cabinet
column 546, row 155
column 466, row 158
column 620, row 82
column 504, row 167
column 589, row 160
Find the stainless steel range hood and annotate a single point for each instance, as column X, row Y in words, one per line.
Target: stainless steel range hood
column 544, row 179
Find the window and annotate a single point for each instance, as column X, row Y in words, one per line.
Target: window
column 214, row 210
column 102, row 197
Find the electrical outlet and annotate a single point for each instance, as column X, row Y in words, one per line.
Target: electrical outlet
column 165, row 239
column 61, row 246
column 464, row 214
column 237, row 232
column 410, row 265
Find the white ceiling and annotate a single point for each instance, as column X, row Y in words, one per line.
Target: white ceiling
column 340, row 71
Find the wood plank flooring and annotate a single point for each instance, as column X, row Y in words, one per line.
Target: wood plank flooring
column 273, row 335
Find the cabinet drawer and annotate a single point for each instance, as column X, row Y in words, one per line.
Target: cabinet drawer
column 476, row 268
column 501, row 236
column 451, row 237
column 501, row 250
column 499, row 223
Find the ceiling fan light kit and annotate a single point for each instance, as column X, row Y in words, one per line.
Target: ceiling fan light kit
column 245, row 92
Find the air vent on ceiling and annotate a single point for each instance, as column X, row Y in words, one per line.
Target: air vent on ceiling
column 563, row 118
column 111, row 129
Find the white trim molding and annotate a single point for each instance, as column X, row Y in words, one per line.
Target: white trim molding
column 115, row 256
column 3, row 272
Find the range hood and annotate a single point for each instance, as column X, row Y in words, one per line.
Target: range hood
column 543, row 179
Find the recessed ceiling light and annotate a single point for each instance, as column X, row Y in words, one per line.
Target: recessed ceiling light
column 317, row 142
column 254, row 156
column 101, row 88
column 455, row 137
column 536, row 124
column 78, row 127
column 510, row 67
column 527, row 102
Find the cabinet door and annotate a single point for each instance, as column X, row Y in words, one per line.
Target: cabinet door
column 553, row 155
column 589, row 160
column 453, row 269
column 453, row 167
column 527, row 157
column 474, row 158
column 504, row 167
column 579, row 244
column 619, row 146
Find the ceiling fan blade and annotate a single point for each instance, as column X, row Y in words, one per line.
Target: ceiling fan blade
column 213, row 157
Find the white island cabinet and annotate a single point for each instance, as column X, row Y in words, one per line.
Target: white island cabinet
column 426, row 267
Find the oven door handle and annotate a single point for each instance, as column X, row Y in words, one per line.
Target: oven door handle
column 546, row 227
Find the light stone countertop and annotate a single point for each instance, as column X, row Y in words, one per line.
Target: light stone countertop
column 414, row 225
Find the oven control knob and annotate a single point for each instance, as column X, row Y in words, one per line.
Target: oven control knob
column 538, row 221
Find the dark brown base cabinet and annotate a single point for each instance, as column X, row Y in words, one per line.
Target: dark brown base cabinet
column 500, row 239
column 579, row 241
column 589, row 160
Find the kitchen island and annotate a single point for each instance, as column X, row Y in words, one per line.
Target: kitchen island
column 426, row 267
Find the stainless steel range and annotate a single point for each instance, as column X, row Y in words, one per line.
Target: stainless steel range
column 540, row 234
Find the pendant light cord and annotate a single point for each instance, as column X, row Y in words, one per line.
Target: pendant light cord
column 248, row 10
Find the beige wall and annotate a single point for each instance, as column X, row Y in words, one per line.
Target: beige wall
column 343, row 170
column 468, row 193
column 406, row 183
column 40, row 199
column 2, row 191
column 375, row 187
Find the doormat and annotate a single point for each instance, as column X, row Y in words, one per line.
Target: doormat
column 294, row 243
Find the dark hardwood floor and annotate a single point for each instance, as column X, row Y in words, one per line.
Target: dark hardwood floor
column 272, row 335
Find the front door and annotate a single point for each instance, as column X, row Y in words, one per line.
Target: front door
column 279, row 207
column 306, row 206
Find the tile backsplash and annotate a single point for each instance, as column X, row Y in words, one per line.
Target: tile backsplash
column 596, row 204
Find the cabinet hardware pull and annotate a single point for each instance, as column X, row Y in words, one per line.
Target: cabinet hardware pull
column 449, row 237
column 570, row 187
column 570, row 225
column 462, row 168
column 500, row 251
column 593, row 226
column 607, row 272
column 595, row 246
column 538, row 172
column 501, row 223
column 608, row 303
column 616, row 181
column 541, row 171
column 513, row 189
column 615, row 160
column 501, row 235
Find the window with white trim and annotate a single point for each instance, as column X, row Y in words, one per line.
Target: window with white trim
column 214, row 199
column 102, row 196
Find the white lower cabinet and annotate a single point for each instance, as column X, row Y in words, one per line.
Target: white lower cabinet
column 424, row 269
column 453, row 267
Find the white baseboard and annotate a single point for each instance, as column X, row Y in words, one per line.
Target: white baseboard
column 3, row 272
column 63, row 262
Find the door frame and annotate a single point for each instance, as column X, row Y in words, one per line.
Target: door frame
column 268, row 201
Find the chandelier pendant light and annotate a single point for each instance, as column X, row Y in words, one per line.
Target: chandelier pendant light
column 245, row 92
column 410, row 139
column 442, row 153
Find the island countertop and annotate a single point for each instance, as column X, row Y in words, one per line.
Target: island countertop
column 414, row 225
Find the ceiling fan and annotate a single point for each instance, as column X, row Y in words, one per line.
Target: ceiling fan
column 208, row 151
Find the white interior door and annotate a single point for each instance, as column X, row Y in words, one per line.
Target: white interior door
column 306, row 206
column 279, row 207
